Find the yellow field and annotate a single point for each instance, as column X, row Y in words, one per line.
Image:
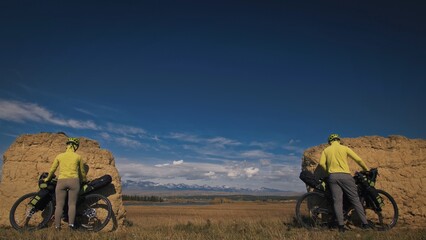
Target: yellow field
column 149, row 216
column 246, row 220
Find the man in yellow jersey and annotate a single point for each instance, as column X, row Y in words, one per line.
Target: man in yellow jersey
column 71, row 167
column 334, row 161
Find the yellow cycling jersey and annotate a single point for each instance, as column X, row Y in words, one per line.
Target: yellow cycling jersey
column 334, row 158
column 70, row 165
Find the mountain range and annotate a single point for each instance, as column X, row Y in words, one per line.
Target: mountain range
column 148, row 187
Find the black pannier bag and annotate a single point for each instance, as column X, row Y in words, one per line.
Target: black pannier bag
column 50, row 185
column 96, row 184
column 376, row 199
column 44, row 195
column 311, row 180
column 41, row 200
column 367, row 180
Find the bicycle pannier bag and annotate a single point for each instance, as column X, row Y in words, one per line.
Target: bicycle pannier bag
column 368, row 184
column 375, row 197
column 41, row 199
column 97, row 184
column 310, row 179
column 50, row 185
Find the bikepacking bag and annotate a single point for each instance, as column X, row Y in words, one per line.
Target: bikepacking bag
column 368, row 182
column 50, row 185
column 96, row 184
column 311, row 180
column 375, row 198
column 41, row 200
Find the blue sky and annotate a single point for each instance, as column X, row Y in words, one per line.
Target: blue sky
column 212, row 92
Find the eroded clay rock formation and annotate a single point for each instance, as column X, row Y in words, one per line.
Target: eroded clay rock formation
column 402, row 170
column 32, row 154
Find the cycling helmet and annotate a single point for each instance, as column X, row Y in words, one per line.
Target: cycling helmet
column 333, row 137
column 74, row 141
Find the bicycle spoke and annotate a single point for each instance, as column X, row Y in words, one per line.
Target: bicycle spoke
column 385, row 218
column 312, row 211
column 94, row 212
column 24, row 216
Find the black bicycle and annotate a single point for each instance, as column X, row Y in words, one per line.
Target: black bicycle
column 314, row 210
column 36, row 210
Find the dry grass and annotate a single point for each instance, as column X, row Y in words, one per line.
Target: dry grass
column 222, row 221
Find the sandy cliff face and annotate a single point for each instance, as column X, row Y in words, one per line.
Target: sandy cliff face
column 402, row 170
column 30, row 155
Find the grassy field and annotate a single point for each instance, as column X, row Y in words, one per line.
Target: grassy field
column 238, row 220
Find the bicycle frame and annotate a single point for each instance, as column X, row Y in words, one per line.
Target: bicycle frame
column 93, row 210
column 315, row 209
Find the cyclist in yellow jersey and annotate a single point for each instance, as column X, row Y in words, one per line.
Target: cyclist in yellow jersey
column 71, row 167
column 334, row 161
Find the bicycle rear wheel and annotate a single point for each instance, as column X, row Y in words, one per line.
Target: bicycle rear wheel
column 24, row 216
column 313, row 210
column 387, row 217
column 93, row 212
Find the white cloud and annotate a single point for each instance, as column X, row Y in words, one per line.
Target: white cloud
column 125, row 130
column 293, row 141
column 263, row 145
column 127, row 142
column 85, row 112
column 222, row 142
column 233, row 173
column 156, row 138
column 265, row 162
column 162, row 165
column 228, row 173
column 105, row 136
column 281, row 172
column 185, row 137
column 251, row 171
column 192, row 171
column 216, row 141
column 179, row 162
column 17, row 111
column 21, row 112
column 294, row 149
column 256, row 154
column 211, row 174
column 174, row 163
column 292, row 146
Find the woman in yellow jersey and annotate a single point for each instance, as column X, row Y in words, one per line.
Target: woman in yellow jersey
column 334, row 161
column 71, row 167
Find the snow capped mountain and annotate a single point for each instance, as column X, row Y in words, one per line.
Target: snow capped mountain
column 133, row 186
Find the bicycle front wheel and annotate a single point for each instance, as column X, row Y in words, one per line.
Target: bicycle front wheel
column 24, row 216
column 93, row 212
column 313, row 210
column 387, row 217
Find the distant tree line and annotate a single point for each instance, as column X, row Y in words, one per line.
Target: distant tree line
column 142, row 198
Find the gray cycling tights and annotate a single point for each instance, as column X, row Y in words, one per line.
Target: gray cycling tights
column 72, row 186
